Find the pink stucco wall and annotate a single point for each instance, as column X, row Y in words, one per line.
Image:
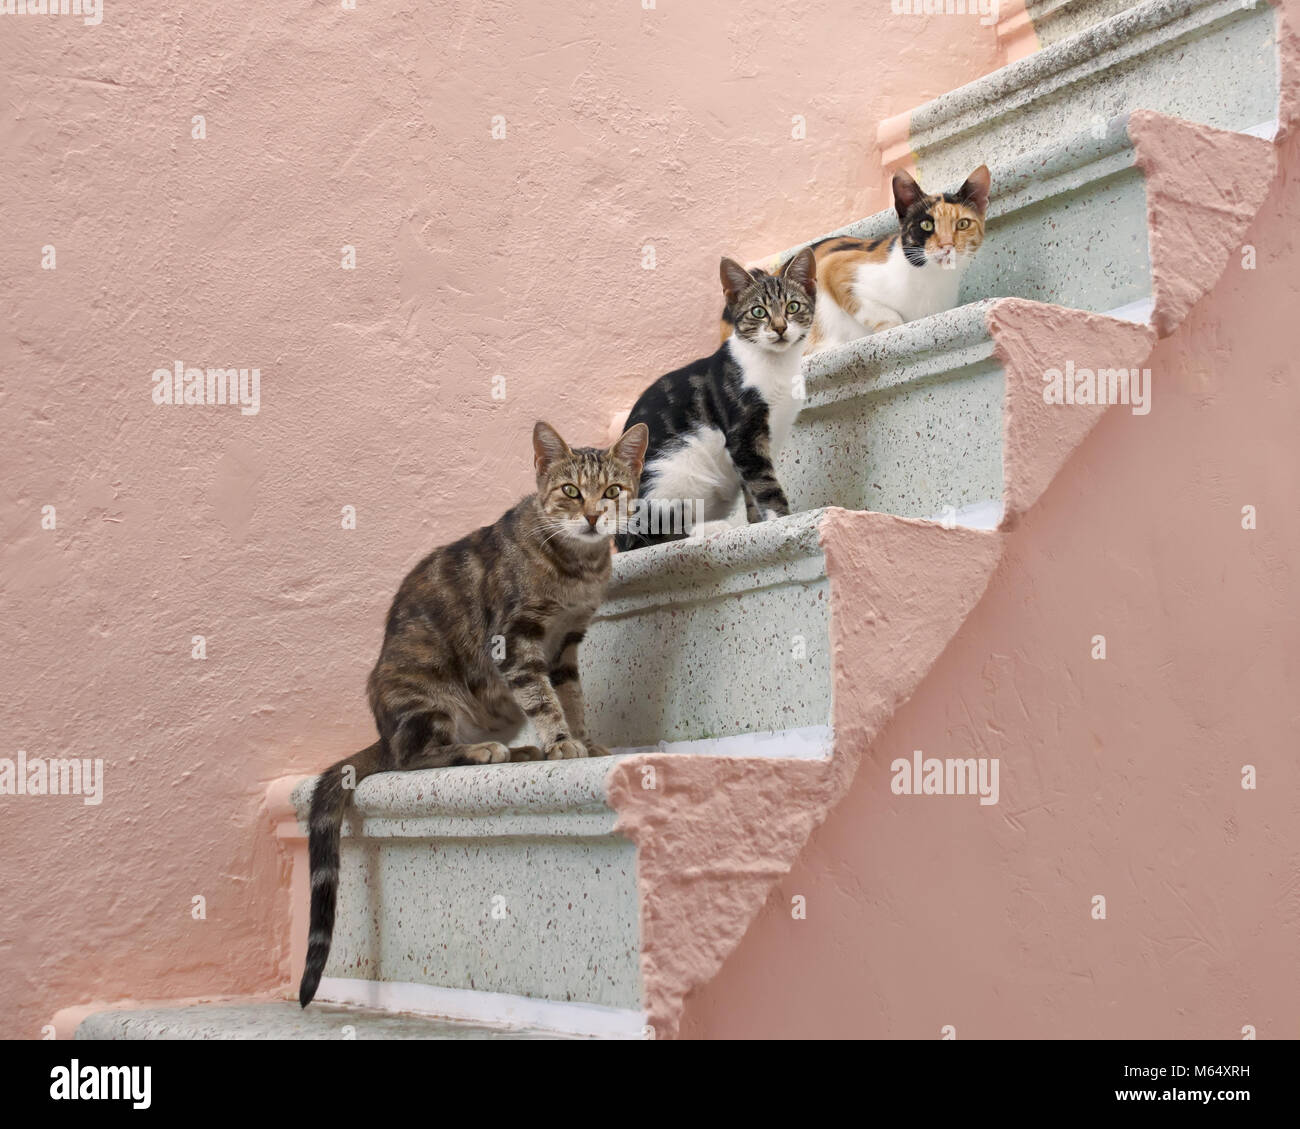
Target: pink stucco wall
column 520, row 257
column 1119, row 777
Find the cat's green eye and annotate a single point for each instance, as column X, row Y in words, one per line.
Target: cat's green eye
column 927, row 225
column 570, row 491
column 612, row 492
column 758, row 312
column 793, row 308
column 962, row 225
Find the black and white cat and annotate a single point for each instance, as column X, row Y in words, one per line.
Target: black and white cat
column 717, row 425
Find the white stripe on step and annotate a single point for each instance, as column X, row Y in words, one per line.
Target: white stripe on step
column 809, row 743
column 974, row 515
column 492, row 1008
column 1139, row 311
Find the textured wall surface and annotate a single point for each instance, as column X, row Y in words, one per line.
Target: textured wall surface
column 1119, row 777
column 520, row 257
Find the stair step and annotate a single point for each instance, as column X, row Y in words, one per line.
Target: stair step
column 913, row 422
column 1040, row 23
column 907, row 422
column 283, row 1019
column 1213, row 62
column 745, row 613
column 507, row 879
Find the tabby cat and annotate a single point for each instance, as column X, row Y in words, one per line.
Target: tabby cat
column 870, row 285
column 445, row 691
column 717, row 424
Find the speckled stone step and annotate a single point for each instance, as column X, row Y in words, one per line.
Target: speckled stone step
column 1214, row 62
column 1066, row 225
column 745, row 613
column 275, row 1019
column 504, row 879
column 907, row 422
column 1049, row 21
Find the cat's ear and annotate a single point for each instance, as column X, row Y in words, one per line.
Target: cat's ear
column 735, row 279
column 975, row 191
column 906, row 193
column 548, row 447
column 631, row 447
column 802, row 269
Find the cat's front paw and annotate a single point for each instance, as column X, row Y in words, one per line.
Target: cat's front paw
column 890, row 321
column 594, row 750
column 525, row 753
column 485, row 752
column 567, row 749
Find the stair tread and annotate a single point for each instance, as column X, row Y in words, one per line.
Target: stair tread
column 284, row 1019
column 737, row 549
column 527, row 788
column 1117, row 31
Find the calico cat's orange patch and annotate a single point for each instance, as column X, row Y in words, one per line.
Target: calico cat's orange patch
column 838, row 261
column 932, row 226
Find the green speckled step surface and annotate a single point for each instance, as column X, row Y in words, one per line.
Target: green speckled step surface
column 284, row 1019
column 1208, row 61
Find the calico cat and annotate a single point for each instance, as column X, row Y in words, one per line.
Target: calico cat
column 717, row 424
column 441, row 689
column 870, row 285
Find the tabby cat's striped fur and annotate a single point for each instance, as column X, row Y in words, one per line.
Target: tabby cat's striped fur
column 482, row 634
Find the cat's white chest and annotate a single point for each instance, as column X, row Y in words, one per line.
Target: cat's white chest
column 774, row 376
column 913, row 292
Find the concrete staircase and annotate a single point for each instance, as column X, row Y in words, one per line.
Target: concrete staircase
column 742, row 678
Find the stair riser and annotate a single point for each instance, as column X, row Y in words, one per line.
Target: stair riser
column 519, row 913
column 912, row 435
column 1079, row 241
column 1217, row 66
column 757, row 639
column 1054, row 20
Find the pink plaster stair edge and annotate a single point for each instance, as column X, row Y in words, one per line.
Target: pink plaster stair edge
column 1204, row 186
column 1288, row 69
column 1029, row 338
column 715, row 834
column 292, row 842
column 893, row 139
column 1017, row 36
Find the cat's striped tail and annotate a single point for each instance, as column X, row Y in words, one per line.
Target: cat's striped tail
column 324, row 826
